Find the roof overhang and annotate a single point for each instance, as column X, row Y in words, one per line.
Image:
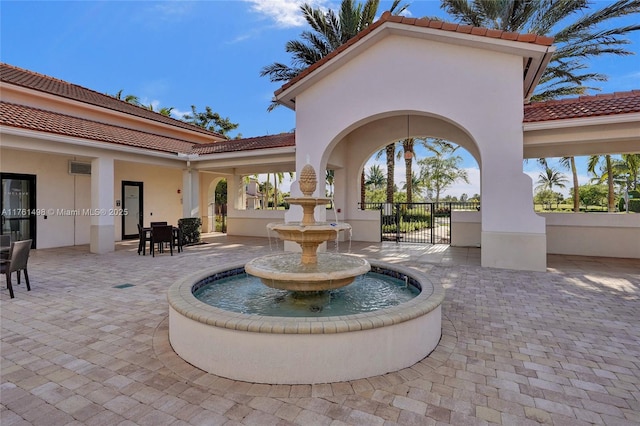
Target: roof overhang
column 582, row 136
column 69, row 145
column 536, row 57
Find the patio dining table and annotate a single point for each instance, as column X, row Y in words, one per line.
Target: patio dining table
column 177, row 236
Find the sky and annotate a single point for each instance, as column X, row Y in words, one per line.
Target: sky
column 203, row 53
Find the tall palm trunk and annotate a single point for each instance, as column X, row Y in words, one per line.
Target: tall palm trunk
column 576, row 192
column 390, row 150
column 275, row 191
column 409, row 178
column 407, row 148
column 363, row 190
column 611, row 203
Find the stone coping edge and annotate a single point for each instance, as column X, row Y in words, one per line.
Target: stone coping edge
column 182, row 300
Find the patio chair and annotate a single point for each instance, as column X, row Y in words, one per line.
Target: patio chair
column 17, row 261
column 158, row 224
column 142, row 244
column 160, row 235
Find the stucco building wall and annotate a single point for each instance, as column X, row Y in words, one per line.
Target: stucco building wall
column 393, row 90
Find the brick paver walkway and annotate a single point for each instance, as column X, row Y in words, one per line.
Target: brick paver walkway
column 560, row 347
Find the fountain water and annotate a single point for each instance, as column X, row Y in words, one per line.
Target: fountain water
column 264, row 348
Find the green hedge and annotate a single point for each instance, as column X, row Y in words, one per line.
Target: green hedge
column 190, row 227
column 405, row 226
column 416, row 215
column 410, row 220
column 633, row 202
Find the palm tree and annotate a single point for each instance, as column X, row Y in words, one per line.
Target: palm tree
column 632, row 162
column 166, row 111
column 441, row 170
column 130, row 99
column 407, row 153
column 375, row 177
column 607, row 174
column 414, row 183
column 363, row 190
column 389, row 152
column 578, row 34
column 330, row 30
column 550, row 178
column 570, row 164
column 625, row 171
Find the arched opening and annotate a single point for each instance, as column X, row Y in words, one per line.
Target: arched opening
column 363, row 205
column 216, row 205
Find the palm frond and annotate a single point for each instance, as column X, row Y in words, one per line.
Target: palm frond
column 462, row 11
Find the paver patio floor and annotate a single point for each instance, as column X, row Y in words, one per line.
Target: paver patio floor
column 560, row 347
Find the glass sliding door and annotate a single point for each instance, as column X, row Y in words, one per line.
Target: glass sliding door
column 18, row 206
column 132, row 202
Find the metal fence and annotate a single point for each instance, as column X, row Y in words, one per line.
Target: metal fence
column 427, row 223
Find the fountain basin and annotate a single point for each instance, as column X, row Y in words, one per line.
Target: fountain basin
column 304, row 350
column 286, row 272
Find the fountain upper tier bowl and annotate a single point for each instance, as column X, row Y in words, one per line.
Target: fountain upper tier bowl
column 308, row 205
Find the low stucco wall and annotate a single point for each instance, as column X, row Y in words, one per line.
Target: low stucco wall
column 252, row 223
column 593, row 234
column 365, row 225
column 465, row 229
column 582, row 234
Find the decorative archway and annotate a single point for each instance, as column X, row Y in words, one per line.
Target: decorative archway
column 467, row 88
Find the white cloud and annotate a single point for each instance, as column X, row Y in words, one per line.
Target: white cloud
column 171, row 10
column 176, row 113
column 154, row 103
column 285, row 13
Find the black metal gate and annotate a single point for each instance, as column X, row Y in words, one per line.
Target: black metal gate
column 426, row 223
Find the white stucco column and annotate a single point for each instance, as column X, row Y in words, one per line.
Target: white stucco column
column 190, row 193
column 236, row 193
column 513, row 236
column 102, row 234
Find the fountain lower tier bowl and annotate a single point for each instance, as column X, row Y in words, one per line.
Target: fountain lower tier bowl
column 285, row 271
column 304, row 350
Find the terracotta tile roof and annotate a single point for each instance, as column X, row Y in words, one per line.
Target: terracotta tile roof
column 584, row 106
column 261, row 142
column 24, row 117
column 426, row 23
column 31, row 80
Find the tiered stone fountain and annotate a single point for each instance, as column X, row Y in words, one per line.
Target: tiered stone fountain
column 263, row 348
column 310, row 271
